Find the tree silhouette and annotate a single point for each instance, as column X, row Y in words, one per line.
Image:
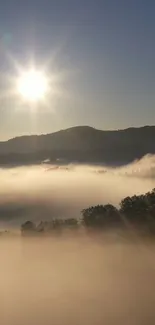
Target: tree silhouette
column 150, row 196
column 28, row 226
column 135, row 208
column 71, row 224
column 100, row 216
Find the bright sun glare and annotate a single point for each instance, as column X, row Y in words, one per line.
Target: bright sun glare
column 32, row 85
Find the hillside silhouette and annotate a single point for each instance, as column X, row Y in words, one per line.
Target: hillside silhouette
column 81, row 144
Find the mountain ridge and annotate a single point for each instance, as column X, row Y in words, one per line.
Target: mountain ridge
column 78, row 127
column 80, row 144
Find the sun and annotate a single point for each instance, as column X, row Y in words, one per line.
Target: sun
column 32, row 85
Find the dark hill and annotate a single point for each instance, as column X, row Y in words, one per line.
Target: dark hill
column 81, row 144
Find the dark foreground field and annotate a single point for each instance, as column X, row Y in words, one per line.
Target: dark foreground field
column 70, row 281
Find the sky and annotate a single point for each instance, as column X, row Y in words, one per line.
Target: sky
column 100, row 52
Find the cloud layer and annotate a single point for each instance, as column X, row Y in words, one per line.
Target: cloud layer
column 45, row 191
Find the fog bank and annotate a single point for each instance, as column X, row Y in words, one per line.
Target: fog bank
column 74, row 282
column 45, row 191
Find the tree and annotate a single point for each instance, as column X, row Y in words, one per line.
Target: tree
column 28, row 226
column 137, row 211
column 134, row 207
column 150, row 196
column 41, row 226
column 100, row 216
column 112, row 215
column 71, row 223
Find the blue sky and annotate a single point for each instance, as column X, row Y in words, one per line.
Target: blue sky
column 106, row 48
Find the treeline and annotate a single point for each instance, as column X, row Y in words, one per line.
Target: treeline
column 55, row 225
column 137, row 211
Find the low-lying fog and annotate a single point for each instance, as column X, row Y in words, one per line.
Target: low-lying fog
column 42, row 192
column 80, row 280
column 76, row 282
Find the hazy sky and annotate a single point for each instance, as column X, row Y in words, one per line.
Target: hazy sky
column 103, row 52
